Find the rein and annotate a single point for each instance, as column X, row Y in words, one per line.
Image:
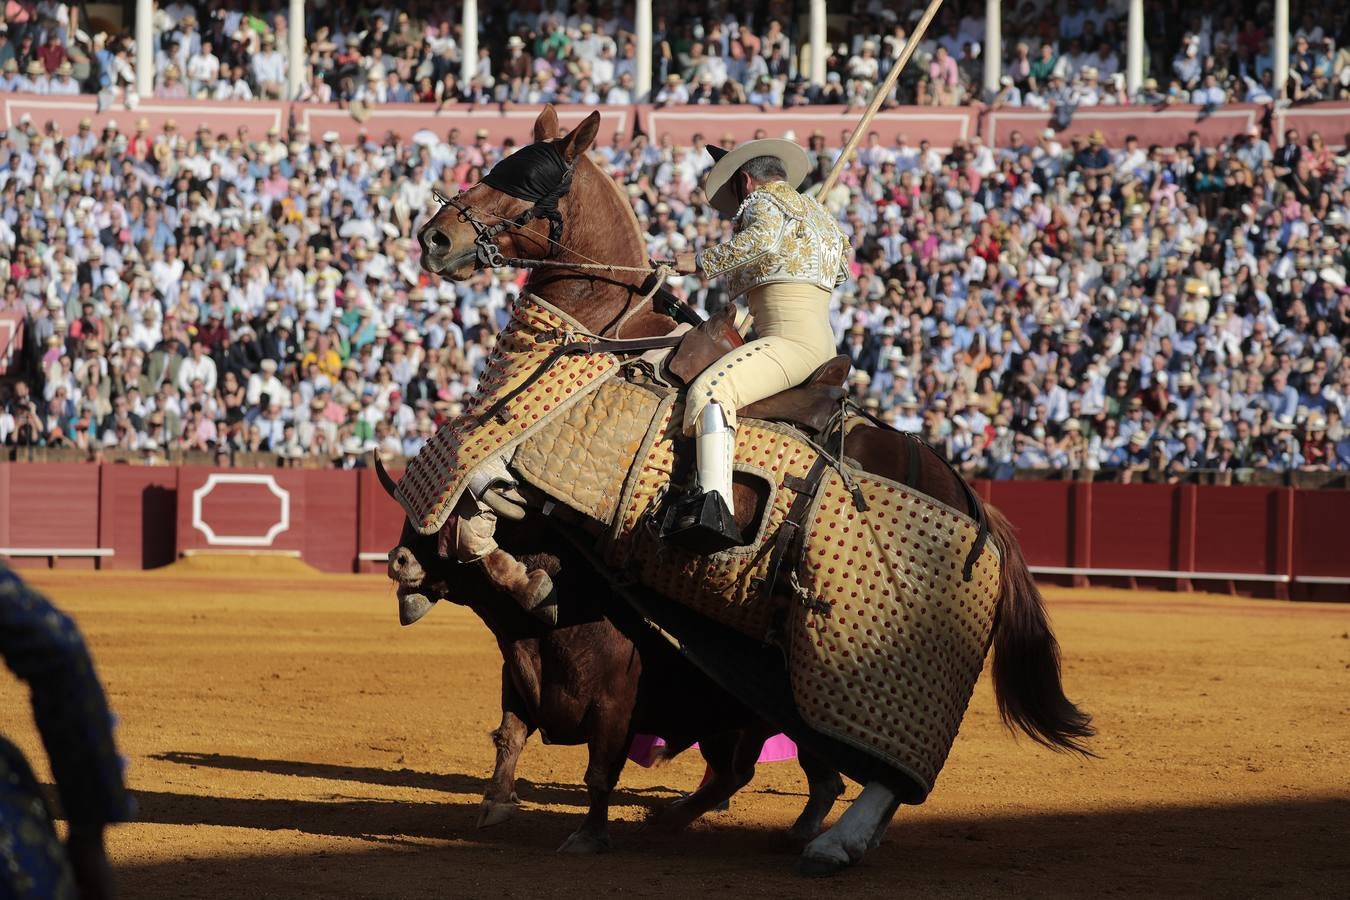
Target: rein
column 489, row 255
column 575, row 342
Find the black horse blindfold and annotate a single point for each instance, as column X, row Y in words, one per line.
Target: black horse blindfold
column 535, row 172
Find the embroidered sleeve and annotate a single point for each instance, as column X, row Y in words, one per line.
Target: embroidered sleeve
column 761, row 226
column 845, row 254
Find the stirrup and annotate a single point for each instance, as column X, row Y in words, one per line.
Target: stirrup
column 701, row 523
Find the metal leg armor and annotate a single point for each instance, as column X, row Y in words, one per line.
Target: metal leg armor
column 705, row 521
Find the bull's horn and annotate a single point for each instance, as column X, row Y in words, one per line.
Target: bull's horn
column 412, row 607
column 386, row 480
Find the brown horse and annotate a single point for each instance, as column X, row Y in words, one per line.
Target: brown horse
column 585, row 681
column 586, row 220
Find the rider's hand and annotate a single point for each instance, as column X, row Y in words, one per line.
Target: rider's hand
column 686, row 262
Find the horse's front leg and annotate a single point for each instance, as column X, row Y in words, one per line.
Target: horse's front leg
column 731, row 759
column 862, row 823
column 470, row 536
column 825, row 786
column 499, row 799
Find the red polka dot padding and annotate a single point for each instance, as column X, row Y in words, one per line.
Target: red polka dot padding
column 891, row 667
column 727, row 587
column 438, row 474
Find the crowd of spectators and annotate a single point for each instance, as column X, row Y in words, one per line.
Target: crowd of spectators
column 1039, row 305
column 1032, row 306
column 1059, row 56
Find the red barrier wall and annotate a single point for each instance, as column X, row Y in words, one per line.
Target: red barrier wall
column 941, row 125
column 380, row 522
column 1134, row 526
column 1231, row 524
column 1043, row 512
column 312, row 512
column 138, row 515
column 1318, row 533
column 50, row 506
column 1282, row 540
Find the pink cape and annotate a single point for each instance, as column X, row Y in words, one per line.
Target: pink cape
column 776, row 749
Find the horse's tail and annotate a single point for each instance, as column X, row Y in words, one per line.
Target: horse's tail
column 1026, row 655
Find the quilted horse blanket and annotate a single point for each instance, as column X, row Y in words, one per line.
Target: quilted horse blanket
column 883, row 624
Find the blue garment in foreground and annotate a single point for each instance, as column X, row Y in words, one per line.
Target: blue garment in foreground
column 44, row 648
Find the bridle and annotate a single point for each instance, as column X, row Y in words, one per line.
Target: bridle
column 488, row 253
column 490, row 256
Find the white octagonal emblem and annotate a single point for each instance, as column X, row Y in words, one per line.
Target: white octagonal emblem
column 241, row 540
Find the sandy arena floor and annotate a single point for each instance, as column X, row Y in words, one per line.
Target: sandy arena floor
column 288, row 739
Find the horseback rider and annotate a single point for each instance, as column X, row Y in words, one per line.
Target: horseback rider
column 787, row 256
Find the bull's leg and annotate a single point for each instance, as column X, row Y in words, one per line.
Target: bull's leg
column 732, row 758
column 499, row 799
column 608, row 750
column 851, row 836
column 826, row 786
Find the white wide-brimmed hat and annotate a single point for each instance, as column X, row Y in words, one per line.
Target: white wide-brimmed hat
column 717, row 186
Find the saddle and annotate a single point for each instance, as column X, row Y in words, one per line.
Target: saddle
column 808, row 406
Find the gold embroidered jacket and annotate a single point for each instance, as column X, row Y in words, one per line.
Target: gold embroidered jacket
column 780, row 236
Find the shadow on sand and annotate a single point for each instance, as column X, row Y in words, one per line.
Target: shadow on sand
column 450, row 782
column 432, row 849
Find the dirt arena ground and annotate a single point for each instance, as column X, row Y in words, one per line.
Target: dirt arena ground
column 286, row 738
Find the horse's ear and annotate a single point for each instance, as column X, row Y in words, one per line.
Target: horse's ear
column 580, row 139
column 546, row 126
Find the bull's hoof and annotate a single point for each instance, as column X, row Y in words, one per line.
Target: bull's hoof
column 538, row 589
column 812, row 866
column 585, row 843
column 492, row 812
column 547, row 611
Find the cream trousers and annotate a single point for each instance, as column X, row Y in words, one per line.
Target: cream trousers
column 795, row 339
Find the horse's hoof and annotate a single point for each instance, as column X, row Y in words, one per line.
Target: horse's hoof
column 547, row 612
column 584, row 843
column 492, row 813
column 668, row 818
column 810, row 866
column 803, row 833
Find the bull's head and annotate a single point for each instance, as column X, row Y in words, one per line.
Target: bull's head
column 415, row 565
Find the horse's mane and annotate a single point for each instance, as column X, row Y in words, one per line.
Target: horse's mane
column 623, row 202
column 601, row 229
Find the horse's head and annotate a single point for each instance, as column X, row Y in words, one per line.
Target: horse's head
column 516, row 208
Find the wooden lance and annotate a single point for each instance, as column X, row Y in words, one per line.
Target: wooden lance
column 877, row 99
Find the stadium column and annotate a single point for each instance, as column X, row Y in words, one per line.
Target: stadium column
column 642, row 22
column 818, row 49
column 468, row 64
column 145, row 47
column 295, row 63
column 993, row 45
column 1281, row 49
column 1134, row 48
